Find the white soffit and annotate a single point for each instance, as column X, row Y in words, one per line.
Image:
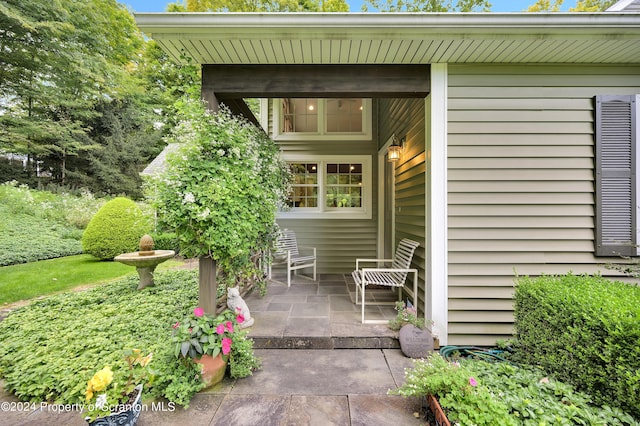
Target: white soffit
column 396, row 38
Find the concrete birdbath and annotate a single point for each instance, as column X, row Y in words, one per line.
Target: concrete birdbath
column 145, row 260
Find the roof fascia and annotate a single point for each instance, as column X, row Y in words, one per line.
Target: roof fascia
column 207, row 25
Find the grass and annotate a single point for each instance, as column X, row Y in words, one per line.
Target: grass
column 30, row 280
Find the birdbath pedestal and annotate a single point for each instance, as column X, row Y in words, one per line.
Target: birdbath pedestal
column 145, row 264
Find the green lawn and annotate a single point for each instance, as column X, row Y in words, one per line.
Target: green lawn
column 29, row 280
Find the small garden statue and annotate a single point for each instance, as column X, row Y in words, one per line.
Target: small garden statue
column 237, row 304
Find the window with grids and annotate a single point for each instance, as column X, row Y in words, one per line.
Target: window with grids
column 304, row 192
column 343, row 187
column 330, row 186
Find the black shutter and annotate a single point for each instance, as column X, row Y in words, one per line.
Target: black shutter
column 616, row 178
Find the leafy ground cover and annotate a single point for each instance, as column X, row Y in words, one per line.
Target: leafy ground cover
column 37, row 225
column 52, row 347
column 26, row 238
column 483, row 393
column 30, row 280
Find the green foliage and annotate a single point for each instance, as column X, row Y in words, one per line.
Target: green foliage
column 464, row 399
column 198, row 334
column 592, row 5
column 108, row 389
column 166, row 241
column 83, row 96
column 115, row 229
column 37, row 225
column 51, row 348
column 242, row 360
column 263, row 6
column 405, row 316
column 222, row 187
column 482, row 393
column 427, row 5
column 584, row 330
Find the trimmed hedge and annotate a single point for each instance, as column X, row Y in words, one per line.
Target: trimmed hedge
column 585, row 330
column 115, row 229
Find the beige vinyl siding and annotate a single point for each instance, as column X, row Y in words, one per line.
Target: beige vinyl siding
column 405, row 118
column 520, row 182
column 338, row 241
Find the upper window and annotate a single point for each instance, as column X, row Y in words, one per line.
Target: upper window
column 310, row 118
column 617, row 179
column 330, row 186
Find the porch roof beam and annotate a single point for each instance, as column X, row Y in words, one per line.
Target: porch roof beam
column 329, row 81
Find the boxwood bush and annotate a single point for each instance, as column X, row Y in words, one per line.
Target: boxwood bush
column 585, row 330
column 115, row 229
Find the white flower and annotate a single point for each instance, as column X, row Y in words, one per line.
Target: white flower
column 205, row 214
column 221, row 152
column 101, row 401
column 189, row 198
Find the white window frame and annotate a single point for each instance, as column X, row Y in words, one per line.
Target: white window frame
column 323, row 212
column 322, row 133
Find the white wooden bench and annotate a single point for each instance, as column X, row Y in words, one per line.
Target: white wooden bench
column 287, row 251
column 393, row 276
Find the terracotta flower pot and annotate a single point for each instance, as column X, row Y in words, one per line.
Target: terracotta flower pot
column 436, row 409
column 213, row 369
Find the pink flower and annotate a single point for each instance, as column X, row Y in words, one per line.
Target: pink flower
column 198, row 312
column 176, row 325
column 220, row 329
column 226, row 345
column 190, row 329
column 544, row 380
column 229, row 326
column 240, row 318
column 473, row 382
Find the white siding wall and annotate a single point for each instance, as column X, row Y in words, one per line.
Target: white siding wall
column 521, row 183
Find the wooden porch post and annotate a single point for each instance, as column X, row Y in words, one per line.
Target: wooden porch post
column 207, row 285
column 207, row 282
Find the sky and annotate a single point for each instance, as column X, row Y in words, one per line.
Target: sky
column 354, row 5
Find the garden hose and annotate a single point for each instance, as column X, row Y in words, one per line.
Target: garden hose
column 484, row 354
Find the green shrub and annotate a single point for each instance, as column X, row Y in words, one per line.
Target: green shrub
column 222, row 187
column 115, row 229
column 585, row 331
column 166, row 241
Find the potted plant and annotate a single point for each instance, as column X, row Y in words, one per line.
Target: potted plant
column 113, row 399
column 406, row 315
column 212, row 343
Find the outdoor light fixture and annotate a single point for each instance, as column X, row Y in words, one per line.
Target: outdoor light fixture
column 394, row 151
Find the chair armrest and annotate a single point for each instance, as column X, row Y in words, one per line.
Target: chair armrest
column 389, row 270
column 300, row 248
column 358, row 261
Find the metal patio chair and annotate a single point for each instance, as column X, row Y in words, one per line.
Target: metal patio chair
column 393, row 276
column 287, row 251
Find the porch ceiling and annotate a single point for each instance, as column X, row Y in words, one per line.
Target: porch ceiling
column 397, row 38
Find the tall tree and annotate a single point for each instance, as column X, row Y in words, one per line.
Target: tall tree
column 77, row 90
column 592, row 5
column 266, row 6
column 546, row 6
column 427, row 5
column 581, row 6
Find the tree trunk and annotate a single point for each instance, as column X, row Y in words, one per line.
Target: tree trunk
column 208, row 286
